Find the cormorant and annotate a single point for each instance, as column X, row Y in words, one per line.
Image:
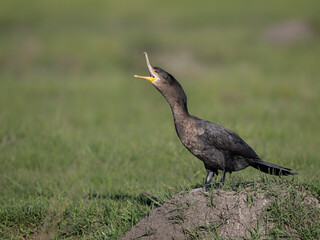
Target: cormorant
column 219, row 148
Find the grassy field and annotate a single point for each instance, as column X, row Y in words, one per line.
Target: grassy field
column 82, row 141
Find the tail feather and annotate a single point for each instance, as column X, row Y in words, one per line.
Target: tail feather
column 272, row 168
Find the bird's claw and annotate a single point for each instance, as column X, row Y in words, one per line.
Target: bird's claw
column 217, row 185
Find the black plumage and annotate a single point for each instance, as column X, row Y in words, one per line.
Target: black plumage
column 219, row 148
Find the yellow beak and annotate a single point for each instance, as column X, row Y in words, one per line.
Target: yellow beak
column 153, row 76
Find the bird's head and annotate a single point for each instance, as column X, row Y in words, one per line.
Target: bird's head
column 167, row 85
column 158, row 77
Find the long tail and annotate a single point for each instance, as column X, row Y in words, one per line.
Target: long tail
column 272, row 168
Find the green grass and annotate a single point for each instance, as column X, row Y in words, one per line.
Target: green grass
column 81, row 140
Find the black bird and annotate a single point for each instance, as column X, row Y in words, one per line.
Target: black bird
column 219, row 148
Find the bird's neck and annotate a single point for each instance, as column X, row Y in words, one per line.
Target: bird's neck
column 177, row 100
column 179, row 109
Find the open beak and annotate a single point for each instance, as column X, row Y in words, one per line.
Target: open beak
column 153, row 76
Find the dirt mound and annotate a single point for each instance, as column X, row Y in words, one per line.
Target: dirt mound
column 219, row 214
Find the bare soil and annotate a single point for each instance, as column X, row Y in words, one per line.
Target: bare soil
column 197, row 214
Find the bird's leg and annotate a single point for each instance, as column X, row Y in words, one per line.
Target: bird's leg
column 210, row 174
column 223, row 177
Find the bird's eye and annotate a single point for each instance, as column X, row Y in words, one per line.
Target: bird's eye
column 156, row 71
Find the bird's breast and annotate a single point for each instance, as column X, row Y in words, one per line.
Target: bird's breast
column 190, row 136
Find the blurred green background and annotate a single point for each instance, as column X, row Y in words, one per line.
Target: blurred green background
column 73, row 120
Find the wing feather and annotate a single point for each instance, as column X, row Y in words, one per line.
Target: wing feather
column 225, row 139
